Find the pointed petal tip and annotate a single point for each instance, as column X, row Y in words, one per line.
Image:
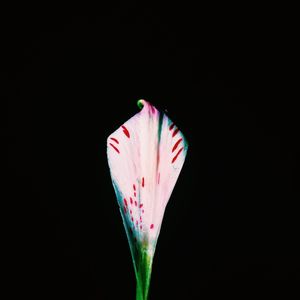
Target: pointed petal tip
column 146, row 106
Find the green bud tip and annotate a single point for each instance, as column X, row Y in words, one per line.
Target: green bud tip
column 140, row 103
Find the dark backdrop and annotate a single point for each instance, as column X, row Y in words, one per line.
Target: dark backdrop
column 71, row 76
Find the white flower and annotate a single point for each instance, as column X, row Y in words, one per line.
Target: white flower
column 145, row 156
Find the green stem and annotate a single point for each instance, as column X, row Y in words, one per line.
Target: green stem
column 143, row 276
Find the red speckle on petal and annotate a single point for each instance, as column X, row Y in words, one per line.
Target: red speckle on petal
column 175, row 132
column 116, row 149
column 125, row 130
column 134, row 187
column 140, row 218
column 143, row 211
column 141, row 227
column 172, row 125
column 125, row 202
column 143, row 182
column 175, row 157
column 131, row 212
column 151, row 226
column 115, row 140
column 141, row 205
column 134, row 194
column 131, row 201
column 135, row 203
column 125, row 210
column 176, row 145
column 132, row 219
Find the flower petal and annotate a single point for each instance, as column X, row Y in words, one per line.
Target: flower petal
column 145, row 156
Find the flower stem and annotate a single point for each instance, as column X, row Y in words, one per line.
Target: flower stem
column 143, row 276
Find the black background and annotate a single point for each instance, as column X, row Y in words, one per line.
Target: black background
column 71, row 76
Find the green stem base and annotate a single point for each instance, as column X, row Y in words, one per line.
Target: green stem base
column 143, row 276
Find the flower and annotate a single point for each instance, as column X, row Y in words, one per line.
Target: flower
column 145, row 157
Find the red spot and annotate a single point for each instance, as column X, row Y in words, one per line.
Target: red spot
column 143, row 211
column 135, row 203
column 132, row 219
column 134, row 194
column 141, row 227
column 117, row 150
column 131, row 212
column 115, row 140
column 172, row 125
column 152, row 109
column 143, row 182
column 125, row 210
column 141, row 219
column 131, row 201
column 125, row 130
column 175, row 132
column 151, row 226
column 125, row 202
column 141, row 205
column 175, row 157
column 176, row 145
column 134, row 187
